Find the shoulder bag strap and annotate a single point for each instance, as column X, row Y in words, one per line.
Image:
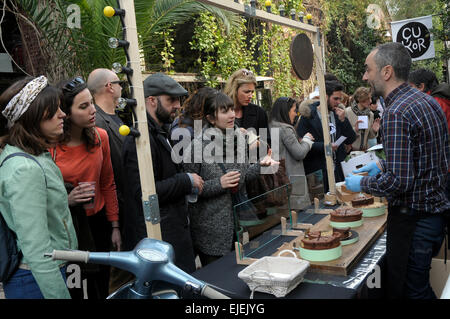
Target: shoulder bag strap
column 27, row 156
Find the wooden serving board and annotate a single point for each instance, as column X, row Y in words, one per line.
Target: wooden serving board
column 369, row 232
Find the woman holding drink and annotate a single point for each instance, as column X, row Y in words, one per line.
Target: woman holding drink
column 83, row 156
column 224, row 167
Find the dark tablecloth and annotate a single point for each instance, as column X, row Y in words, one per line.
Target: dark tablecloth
column 223, row 273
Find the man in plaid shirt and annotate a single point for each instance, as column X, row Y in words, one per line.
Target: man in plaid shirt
column 413, row 177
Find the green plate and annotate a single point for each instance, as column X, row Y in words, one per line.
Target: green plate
column 374, row 212
column 351, row 240
column 321, row 255
column 347, row 224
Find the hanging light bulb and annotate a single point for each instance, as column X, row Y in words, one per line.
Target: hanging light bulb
column 114, row 43
column 281, row 9
column 118, row 68
column 125, row 130
column 123, row 103
column 109, row 12
column 292, row 12
column 268, row 5
column 301, row 15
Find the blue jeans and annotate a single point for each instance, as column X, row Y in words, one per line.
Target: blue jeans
column 22, row 285
column 426, row 242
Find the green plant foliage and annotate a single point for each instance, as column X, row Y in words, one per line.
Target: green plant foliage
column 221, row 53
column 76, row 51
column 441, row 33
column 71, row 50
column 440, row 11
column 349, row 41
column 156, row 20
column 257, row 46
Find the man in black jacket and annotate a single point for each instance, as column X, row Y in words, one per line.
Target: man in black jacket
column 162, row 99
column 106, row 89
column 311, row 122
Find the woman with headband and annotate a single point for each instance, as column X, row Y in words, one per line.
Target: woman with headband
column 33, row 200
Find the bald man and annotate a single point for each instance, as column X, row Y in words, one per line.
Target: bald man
column 106, row 90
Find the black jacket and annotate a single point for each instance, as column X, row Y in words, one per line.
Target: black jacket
column 116, row 140
column 172, row 185
column 315, row 160
column 256, row 117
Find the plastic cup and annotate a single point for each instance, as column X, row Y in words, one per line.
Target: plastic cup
column 89, row 191
column 192, row 198
column 234, row 189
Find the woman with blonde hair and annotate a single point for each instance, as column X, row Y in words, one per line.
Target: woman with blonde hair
column 240, row 88
column 360, row 107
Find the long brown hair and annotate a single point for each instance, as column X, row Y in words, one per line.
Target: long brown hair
column 26, row 132
column 70, row 89
column 193, row 107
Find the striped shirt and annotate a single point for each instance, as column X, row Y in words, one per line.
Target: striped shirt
column 415, row 138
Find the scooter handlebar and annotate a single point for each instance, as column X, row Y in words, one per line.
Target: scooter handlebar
column 69, row 255
column 211, row 293
column 171, row 273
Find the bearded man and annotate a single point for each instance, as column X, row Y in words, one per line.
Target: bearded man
column 162, row 100
column 412, row 177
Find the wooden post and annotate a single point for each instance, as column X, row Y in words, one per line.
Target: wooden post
column 149, row 197
column 318, row 56
column 324, row 114
column 260, row 14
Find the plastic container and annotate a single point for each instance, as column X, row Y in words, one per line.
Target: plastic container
column 274, row 275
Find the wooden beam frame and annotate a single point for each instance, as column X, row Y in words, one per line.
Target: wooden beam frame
column 149, row 197
column 314, row 33
column 320, row 68
column 143, row 150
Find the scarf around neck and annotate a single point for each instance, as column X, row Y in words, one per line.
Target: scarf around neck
column 359, row 112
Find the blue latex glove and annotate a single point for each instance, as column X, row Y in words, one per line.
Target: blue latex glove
column 371, row 168
column 353, row 183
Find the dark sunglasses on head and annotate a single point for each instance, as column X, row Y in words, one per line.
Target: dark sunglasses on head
column 247, row 72
column 288, row 100
column 73, row 83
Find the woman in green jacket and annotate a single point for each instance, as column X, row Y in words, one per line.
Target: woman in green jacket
column 33, row 199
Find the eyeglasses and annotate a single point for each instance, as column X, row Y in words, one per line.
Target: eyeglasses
column 120, row 82
column 73, row 84
column 247, row 72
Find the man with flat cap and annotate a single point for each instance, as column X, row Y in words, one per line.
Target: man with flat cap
column 162, row 100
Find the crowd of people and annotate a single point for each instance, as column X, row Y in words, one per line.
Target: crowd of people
column 86, row 191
